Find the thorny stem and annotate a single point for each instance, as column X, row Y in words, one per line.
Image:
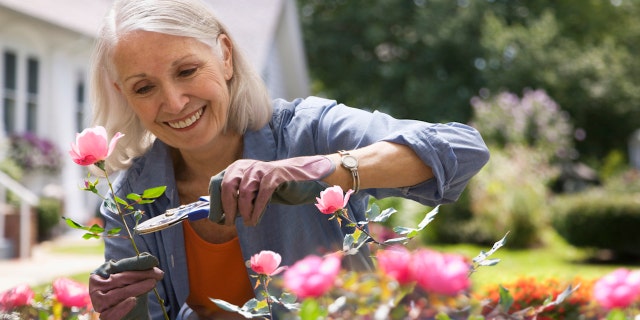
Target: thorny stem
column 266, row 291
column 133, row 243
column 342, row 213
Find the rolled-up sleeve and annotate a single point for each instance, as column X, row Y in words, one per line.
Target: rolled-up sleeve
column 454, row 151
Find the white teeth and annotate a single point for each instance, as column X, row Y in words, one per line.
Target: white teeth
column 185, row 123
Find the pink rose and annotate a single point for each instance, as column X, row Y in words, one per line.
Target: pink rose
column 312, row 276
column 440, row 273
column 395, row 262
column 266, row 262
column 92, row 145
column 71, row 293
column 332, row 199
column 19, row 296
column 617, row 289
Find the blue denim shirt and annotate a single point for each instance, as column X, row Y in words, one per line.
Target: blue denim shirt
column 310, row 126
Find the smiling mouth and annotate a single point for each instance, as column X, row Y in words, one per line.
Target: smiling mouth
column 187, row 122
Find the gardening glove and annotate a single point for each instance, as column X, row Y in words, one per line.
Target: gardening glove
column 247, row 186
column 118, row 289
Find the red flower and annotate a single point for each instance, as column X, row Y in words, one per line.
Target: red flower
column 333, row 199
column 266, row 262
column 70, row 293
column 395, row 262
column 617, row 289
column 312, row 276
column 92, row 145
column 21, row 295
column 440, row 273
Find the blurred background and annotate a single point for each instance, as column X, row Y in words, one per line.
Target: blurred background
column 553, row 86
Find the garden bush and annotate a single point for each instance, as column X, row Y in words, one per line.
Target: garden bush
column 49, row 212
column 599, row 219
column 508, row 195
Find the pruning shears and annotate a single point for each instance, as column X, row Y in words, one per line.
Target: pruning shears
column 192, row 211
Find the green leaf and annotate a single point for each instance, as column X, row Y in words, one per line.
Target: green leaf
column 111, row 206
column 73, row 224
column 88, row 236
column 396, row 240
column 348, row 241
column 442, row 316
column 114, row 231
column 311, row 310
column 489, row 263
column 153, row 193
column 289, row 301
column 484, row 255
column 134, row 197
column 95, row 229
column 428, row 218
column 121, row 201
column 226, row 305
column 372, row 212
column 385, row 215
column 506, row 300
column 403, row 230
column 616, row 314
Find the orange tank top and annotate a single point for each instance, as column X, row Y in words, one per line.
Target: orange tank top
column 215, row 271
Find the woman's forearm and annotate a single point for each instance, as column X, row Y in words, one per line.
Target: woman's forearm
column 381, row 165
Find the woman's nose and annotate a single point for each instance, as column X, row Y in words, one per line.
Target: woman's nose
column 174, row 99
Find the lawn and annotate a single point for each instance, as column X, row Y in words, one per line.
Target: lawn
column 556, row 260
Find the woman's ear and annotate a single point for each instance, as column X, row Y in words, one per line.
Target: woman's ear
column 226, row 47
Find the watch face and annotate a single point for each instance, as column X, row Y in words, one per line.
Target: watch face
column 349, row 161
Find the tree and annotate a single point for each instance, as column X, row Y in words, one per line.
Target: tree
column 425, row 59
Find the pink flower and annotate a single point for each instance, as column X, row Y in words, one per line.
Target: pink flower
column 395, row 262
column 333, row 199
column 71, row 293
column 440, row 273
column 617, row 289
column 312, row 276
column 21, row 295
column 266, row 262
column 92, row 145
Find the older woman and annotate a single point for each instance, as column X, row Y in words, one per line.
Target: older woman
column 169, row 76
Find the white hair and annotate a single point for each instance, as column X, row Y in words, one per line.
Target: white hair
column 250, row 105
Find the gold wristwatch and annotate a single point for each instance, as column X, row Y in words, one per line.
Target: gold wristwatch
column 350, row 163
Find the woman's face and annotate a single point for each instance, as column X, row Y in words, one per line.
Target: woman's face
column 177, row 86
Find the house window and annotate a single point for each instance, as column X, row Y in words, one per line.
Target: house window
column 9, row 92
column 80, row 101
column 20, row 92
column 32, row 94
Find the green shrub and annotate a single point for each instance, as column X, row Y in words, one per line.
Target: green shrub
column 508, row 195
column 49, row 212
column 599, row 219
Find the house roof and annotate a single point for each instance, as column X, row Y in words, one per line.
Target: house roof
column 252, row 23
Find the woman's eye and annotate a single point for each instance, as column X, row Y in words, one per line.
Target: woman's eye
column 187, row 72
column 143, row 89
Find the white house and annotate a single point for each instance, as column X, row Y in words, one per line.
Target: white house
column 44, row 53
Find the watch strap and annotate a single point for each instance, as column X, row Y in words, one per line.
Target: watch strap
column 353, row 168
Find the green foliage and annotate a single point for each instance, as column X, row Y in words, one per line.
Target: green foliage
column 49, row 211
column 426, row 59
column 599, row 219
column 508, row 195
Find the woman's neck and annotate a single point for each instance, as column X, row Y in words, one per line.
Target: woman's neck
column 194, row 167
column 208, row 160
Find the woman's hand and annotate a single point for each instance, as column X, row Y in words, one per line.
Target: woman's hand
column 248, row 185
column 118, row 289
